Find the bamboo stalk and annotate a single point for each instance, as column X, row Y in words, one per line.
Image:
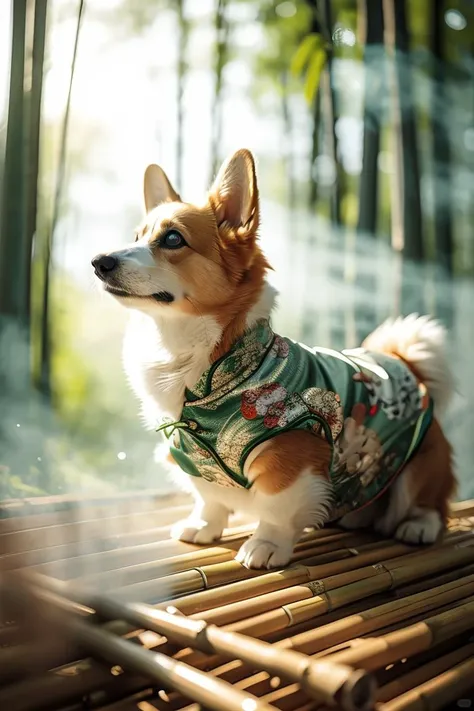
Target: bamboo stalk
column 234, row 592
column 436, row 693
column 142, row 581
column 424, row 673
column 205, row 689
column 390, row 574
column 376, row 615
column 432, row 582
column 150, row 570
column 269, row 582
column 129, row 549
column 62, row 614
column 376, row 618
column 233, row 612
column 278, row 614
column 377, row 652
column 461, row 509
column 286, row 697
column 331, row 635
column 329, row 684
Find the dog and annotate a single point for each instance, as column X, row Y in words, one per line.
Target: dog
column 255, row 422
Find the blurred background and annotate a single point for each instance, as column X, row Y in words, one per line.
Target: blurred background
column 361, row 118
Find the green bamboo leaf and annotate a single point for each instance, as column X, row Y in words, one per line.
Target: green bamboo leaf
column 313, row 74
column 303, row 53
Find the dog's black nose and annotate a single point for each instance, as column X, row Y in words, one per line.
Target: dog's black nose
column 104, row 263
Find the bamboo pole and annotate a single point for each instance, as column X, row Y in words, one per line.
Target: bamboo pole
column 207, row 690
column 203, row 600
column 436, row 693
column 330, row 635
column 376, row 618
column 130, row 549
column 147, row 572
column 414, row 565
column 461, row 509
column 423, row 673
column 389, row 574
column 351, row 690
column 262, row 625
column 432, row 582
column 277, row 580
column 234, row 612
column 61, row 614
column 141, row 582
column 377, row 652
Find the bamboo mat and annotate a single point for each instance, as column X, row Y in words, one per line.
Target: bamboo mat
column 99, row 609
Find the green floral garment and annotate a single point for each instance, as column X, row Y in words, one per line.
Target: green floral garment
column 369, row 407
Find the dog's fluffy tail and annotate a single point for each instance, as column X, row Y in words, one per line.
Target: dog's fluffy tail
column 420, row 341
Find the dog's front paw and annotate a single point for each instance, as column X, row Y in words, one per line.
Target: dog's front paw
column 422, row 529
column 258, row 553
column 192, row 530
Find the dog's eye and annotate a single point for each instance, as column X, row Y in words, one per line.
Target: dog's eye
column 172, row 240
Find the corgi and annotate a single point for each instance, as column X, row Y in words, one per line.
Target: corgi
column 296, row 436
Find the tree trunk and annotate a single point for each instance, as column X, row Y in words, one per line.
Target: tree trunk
column 288, row 148
column 222, row 36
column 321, row 23
column 34, row 120
column 45, row 358
column 407, row 233
column 14, row 250
column 313, row 183
column 365, row 310
column 373, row 57
column 442, row 183
column 329, row 109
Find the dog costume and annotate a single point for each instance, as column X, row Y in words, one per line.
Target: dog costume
column 369, row 407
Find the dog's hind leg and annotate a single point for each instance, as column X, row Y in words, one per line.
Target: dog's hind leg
column 418, row 500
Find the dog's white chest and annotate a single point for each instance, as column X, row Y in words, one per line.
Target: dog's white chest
column 163, row 359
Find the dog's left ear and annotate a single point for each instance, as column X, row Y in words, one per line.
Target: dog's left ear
column 234, row 195
column 157, row 188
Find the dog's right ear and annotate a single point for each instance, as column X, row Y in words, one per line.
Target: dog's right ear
column 157, row 188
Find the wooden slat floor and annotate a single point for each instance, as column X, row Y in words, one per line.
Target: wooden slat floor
column 350, row 600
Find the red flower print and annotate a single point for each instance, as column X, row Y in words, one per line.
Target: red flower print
column 258, row 401
column 248, row 410
column 275, row 415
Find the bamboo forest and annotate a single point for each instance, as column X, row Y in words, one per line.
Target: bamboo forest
column 360, row 114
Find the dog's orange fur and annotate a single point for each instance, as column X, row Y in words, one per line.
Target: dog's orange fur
column 432, row 482
column 223, row 273
column 278, row 465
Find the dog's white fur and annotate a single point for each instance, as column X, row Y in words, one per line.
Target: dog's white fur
column 164, row 354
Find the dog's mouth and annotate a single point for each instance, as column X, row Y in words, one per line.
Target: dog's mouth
column 163, row 297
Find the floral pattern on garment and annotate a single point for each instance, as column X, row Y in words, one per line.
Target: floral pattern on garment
column 400, row 396
column 271, row 402
column 359, row 451
column 280, row 348
column 326, row 405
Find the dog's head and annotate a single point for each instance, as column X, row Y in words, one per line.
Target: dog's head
column 188, row 258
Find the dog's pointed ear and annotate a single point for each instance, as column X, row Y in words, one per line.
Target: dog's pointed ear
column 234, row 195
column 157, row 188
